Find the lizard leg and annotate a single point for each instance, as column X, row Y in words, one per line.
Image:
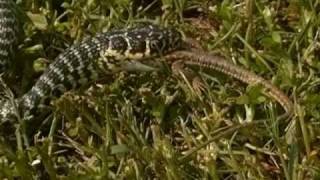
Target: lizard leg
column 179, row 68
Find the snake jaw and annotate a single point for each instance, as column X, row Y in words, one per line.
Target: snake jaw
column 165, row 40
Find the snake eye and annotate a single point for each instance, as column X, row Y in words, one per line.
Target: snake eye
column 177, row 42
column 176, row 39
column 156, row 46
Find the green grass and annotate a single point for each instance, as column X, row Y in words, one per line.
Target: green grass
column 145, row 125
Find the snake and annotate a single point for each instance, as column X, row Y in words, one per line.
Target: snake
column 9, row 32
column 85, row 61
column 81, row 63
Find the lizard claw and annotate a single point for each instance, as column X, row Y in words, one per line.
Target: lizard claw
column 198, row 85
column 179, row 68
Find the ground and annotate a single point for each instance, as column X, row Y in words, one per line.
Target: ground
column 154, row 125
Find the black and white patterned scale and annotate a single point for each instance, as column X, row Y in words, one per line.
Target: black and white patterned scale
column 82, row 63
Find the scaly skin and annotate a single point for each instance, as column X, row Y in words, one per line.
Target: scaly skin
column 82, row 63
column 9, row 30
column 219, row 64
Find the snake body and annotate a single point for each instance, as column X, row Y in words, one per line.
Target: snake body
column 83, row 62
column 9, row 32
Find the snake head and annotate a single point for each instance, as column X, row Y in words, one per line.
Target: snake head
column 151, row 40
column 164, row 40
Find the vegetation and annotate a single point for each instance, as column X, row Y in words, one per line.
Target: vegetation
column 153, row 124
